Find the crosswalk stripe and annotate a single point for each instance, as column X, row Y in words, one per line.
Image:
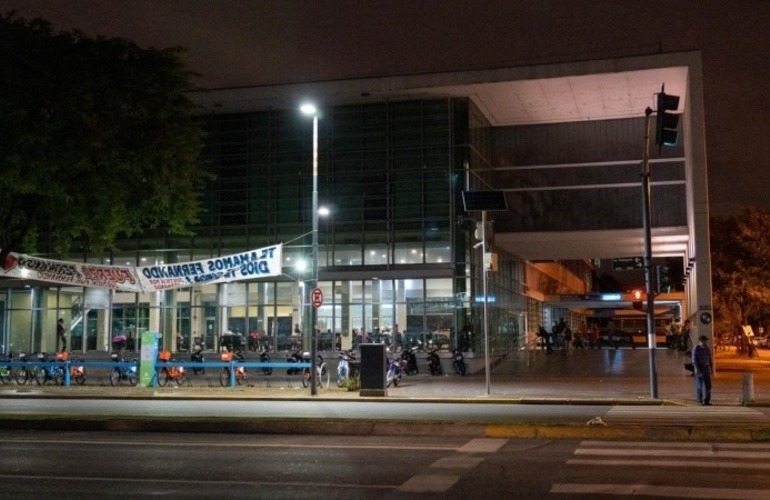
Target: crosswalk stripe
column 669, row 463
column 678, row 452
column 686, row 416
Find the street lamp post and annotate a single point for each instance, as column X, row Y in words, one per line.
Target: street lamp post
column 311, row 110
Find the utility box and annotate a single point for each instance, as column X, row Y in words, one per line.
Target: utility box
column 373, row 370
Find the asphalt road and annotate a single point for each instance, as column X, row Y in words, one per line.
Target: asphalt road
column 99, row 465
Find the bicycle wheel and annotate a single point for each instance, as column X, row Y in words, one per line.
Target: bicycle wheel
column 162, row 375
column 80, row 376
column 306, row 377
column 132, row 377
column 22, row 375
column 224, row 377
column 5, row 375
column 114, row 377
column 40, row 375
column 323, row 376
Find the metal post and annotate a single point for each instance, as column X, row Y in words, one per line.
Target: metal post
column 486, row 286
column 648, row 274
column 314, row 282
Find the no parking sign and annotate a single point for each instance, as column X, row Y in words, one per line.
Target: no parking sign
column 316, row 298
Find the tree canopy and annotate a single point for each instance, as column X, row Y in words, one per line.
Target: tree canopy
column 740, row 268
column 99, row 139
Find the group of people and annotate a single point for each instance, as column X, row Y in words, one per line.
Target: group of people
column 562, row 336
column 678, row 335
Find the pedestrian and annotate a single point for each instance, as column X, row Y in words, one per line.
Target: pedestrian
column 670, row 335
column 685, row 336
column 545, row 339
column 61, row 336
column 702, row 365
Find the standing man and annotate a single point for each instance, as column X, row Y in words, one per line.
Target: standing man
column 702, row 364
column 61, row 336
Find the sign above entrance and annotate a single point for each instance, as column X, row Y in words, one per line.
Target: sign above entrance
column 628, row 264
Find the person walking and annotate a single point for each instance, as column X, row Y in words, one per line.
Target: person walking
column 61, row 336
column 703, row 366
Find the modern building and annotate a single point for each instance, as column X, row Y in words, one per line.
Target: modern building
column 398, row 253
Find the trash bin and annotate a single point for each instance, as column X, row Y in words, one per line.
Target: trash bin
column 373, row 370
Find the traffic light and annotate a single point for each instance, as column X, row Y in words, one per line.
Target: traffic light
column 666, row 133
column 636, row 299
column 663, row 279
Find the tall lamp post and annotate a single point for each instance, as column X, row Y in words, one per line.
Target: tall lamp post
column 311, row 110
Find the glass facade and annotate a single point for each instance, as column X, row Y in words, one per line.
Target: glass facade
column 395, row 248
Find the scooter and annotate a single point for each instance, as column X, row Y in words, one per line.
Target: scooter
column 264, row 357
column 409, row 359
column 434, row 362
column 345, row 368
column 197, row 357
column 240, row 371
column 393, row 374
column 458, row 363
column 295, row 357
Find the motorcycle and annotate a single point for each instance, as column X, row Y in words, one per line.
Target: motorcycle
column 409, row 360
column 345, row 367
column 393, row 373
column 197, row 357
column 458, row 363
column 295, row 357
column 5, row 370
column 240, row 371
column 264, row 357
column 434, row 362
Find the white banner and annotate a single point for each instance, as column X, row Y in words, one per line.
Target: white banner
column 259, row 263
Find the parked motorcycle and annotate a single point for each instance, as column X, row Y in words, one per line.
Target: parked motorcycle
column 409, row 359
column 5, row 370
column 393, row 373
column 264, row 357
column 345, row 367
column 458, row 362
column 434, row 362
column 197, row 357
column 295, row 357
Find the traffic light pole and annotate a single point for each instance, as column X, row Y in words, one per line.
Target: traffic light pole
column 648, row 270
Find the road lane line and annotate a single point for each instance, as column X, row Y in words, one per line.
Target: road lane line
column 661, row 452
column 669, row 463
column 660, row 491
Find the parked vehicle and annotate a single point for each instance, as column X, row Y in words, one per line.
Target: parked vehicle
column 434, row 362
column 165, row 374
column 6, row 373
column 322, row 372
column 409, row 358
column 197, row 357
column 123, row 370
column 295, row 357
column 393, row 372
column 240, row 371
column 264, row 357
column 458, row 362
column 77, row 372
column 24, row 374
column 345, row 369
column 50, row 372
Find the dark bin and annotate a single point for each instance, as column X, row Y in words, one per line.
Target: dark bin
column 373, row 370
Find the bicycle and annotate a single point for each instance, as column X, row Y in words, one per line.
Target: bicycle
column 6, row 373
column 322, row 374
column 169, row 373
column 122, row 371
column 52, row 372
column 240, row 371
column 345, row 370
column 26, row 374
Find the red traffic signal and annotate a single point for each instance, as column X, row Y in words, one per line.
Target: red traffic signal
column 636, row 299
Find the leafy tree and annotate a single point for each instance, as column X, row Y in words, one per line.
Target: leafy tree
column 99, row 139
column 740, row 268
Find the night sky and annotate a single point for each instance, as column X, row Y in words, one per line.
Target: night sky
column 238, row 43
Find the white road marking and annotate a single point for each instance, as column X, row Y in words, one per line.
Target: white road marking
column 670, row 463
column 660, row 491
column 457, row 462
column 482, row 446
column 679, row 452
column 429, row 483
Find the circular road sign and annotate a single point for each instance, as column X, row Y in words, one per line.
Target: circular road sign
column 316, row 298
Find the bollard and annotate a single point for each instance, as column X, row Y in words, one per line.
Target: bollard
column 748, row 388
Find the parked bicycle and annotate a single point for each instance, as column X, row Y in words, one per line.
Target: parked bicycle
column 26, row 373
column 165, row 374
column 322, row 373
column 458, row 363
column 123, row 371
column 240, row 371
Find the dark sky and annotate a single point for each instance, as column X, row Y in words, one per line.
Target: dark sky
column 252, row 42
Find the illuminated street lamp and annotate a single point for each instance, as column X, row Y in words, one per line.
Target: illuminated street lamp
column 311, row 110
